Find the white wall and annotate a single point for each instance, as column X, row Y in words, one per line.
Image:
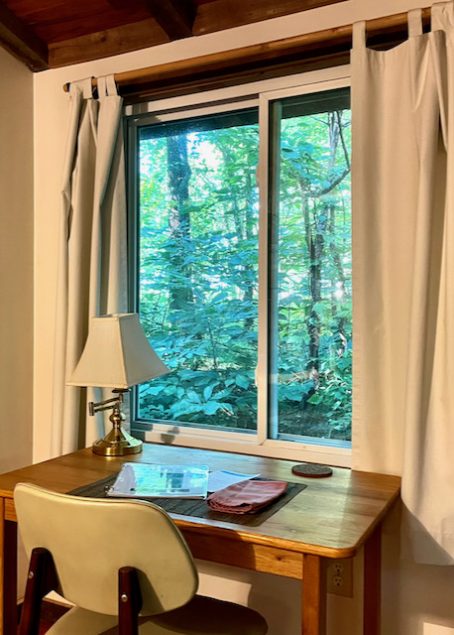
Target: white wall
column 16, row 265
column 16, row 262
column 417, row 600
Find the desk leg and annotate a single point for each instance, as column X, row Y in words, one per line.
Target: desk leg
column 8, row 575
column 372, row 584
column 313, row 602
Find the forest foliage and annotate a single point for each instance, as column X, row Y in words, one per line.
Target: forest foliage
column 198, row 273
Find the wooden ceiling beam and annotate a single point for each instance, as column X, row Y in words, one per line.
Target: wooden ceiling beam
column 21, row 41
column 217, row 15
column 175, row 17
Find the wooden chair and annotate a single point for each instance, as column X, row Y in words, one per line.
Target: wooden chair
column 123, row 564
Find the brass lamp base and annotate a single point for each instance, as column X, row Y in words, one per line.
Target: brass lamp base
column 117, row 443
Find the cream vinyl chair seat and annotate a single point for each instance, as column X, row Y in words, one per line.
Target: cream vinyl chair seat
column 123, row 564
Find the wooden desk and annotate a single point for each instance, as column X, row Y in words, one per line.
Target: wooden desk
column 331, row 518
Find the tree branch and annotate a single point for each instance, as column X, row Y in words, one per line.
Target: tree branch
column 332, row 185
column 341, row 133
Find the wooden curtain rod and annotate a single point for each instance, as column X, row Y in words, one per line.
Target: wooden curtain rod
column 258, row 61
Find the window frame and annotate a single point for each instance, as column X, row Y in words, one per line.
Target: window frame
column 259, row 94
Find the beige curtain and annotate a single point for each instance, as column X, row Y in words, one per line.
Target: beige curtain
column 92, row 251
column 403, row 244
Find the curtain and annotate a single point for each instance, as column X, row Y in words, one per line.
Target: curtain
column 92, row 267
column 403, row 280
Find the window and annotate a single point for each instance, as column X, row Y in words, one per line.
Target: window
column 241, row 267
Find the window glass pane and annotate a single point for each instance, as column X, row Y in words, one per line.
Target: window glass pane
column 198, row 268
column 310, row 281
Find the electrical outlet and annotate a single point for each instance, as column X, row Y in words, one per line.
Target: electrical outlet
column 339, row 577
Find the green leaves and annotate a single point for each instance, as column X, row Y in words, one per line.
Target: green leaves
column 242, row 381
column 217, row 398
column 211, row 407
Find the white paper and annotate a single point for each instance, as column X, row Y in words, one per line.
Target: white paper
column 148, row 480
column 223, row 478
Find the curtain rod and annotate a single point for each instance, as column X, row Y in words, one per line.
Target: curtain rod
column 317, row 49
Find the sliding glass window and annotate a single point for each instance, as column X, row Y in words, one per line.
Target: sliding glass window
column 241, row 266
column 310, row 321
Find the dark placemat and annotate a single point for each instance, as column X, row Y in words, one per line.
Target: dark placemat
column 196, row 507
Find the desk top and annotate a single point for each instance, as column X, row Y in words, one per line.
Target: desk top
column 332, row 517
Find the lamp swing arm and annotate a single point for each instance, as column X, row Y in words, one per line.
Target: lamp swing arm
column 107, row 404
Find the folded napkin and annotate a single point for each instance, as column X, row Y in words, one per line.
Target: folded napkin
column 247, row 496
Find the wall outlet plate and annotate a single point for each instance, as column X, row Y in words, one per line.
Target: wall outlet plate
column 339, row 577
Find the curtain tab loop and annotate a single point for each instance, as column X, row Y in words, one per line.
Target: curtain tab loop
column 84, row 86
column 102, row 92
column 107, row 87
column 359, row 35
column 415, row 22
column 111, row 86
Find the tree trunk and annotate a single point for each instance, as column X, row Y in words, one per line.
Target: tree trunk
column 317, row 219
column 179, row 173
column 248, row 269
column 243, row 222
column 316, row 252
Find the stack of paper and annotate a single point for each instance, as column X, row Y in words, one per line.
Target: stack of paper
column 148, row 480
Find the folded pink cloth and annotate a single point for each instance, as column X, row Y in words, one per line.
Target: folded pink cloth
column 247, row 496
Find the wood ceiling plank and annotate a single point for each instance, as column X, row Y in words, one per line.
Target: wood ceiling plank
column 132, row 4
column 73, row 20
column 175, row 17
column 58, row 21
column 225, row 14
column 21, row 41
column 131, row 37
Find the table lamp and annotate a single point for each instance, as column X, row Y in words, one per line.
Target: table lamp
column 117, row 355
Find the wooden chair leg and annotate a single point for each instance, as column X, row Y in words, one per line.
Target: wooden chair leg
column 42, row 578
column 129, row 601
column 9, row 593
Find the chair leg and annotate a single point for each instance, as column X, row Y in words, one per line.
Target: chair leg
column 129, row 601
column 42, row 578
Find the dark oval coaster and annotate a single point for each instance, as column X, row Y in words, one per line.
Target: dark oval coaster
column 312, row 470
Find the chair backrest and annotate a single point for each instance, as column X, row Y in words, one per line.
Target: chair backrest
column 90, row 539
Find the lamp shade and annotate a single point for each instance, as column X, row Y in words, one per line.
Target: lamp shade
column 116, row 354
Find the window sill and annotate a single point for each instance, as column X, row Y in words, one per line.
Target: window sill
column 314, row 451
